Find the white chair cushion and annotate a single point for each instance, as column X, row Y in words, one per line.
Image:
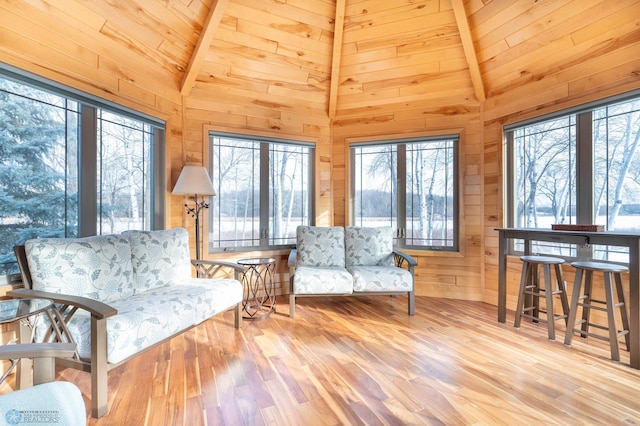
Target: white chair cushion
column 159, row 258
column 380, row 278
column 320, row 246
column 369, row 246
column 322, row 280
column 96, row 267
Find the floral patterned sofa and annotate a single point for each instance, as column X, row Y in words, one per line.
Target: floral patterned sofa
column 348, row 261
column 118, row 295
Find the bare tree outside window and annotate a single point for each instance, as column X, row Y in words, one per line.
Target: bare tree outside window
column 124, row 174
column 289, row 203
column 410, row 186
column 263, row 192
column 545, row 173
column 544, row 158
column 431, row 196
column 376, row 177
column 616, row 131
column 235, row 171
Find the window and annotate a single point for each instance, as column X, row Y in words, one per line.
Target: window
column 579, row 167
column 263, row 190
column 69, row 165
column 124, row 173
column 410, row 185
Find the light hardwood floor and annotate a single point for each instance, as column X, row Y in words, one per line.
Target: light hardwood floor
column 356, row 361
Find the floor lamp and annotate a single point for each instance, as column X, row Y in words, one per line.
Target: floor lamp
column 195, row 180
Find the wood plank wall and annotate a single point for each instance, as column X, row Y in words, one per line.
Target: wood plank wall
column 455, row 275
column 76, row 47
column 242, row 112
column 566, row 89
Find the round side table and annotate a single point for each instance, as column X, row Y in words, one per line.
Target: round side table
column 21, row 309
column 259, row 298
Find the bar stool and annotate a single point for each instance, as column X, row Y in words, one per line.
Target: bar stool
column 586, row 301
column 531, row 291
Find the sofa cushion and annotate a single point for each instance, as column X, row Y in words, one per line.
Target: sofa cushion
column 97, row 267
column 159, row 258
column 320, row 246
column 152, row 316
column 322, row 280
column 369, row 246
column 380, row 278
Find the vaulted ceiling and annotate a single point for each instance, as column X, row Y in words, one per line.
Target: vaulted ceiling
column 342, row 58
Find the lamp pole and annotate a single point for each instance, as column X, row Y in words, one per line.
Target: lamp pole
column 195, row 213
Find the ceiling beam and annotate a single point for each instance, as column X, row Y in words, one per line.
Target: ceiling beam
column 469, row 49
column 338, row 33
column 208, row 29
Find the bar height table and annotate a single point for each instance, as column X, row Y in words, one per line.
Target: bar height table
column 581, row 238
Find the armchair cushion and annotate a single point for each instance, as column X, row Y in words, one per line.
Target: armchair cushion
column 380, row 278
column 320, row 246
column 369, row 246
column 95, row 267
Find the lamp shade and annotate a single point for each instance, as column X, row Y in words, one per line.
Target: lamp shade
column 194, row 180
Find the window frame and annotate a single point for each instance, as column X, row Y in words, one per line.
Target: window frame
column 400, row 239
column 264, row 193
column 584, row 170
column 88, row 106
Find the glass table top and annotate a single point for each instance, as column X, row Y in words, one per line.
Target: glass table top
column 15, row 309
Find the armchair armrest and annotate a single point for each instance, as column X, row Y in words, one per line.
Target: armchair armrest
column 209, row 268
column 292, row 258
column 43, row 355
column 97, row 309
column 38, row 350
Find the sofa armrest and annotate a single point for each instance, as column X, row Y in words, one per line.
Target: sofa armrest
column 400, row 257
column 97, row 309
column 210, row 268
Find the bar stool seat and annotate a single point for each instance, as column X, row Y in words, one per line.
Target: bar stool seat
column 585, row 300
column 531, row 291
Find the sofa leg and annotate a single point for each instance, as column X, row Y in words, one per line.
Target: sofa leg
column 412, row 303
column 238, row 315
column 292, row 305
column 99, row 383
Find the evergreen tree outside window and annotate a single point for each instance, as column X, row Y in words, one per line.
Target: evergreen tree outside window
column 38, row 167
column 69, row 168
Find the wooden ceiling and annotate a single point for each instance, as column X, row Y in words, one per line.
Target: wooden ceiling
column 339, row 58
